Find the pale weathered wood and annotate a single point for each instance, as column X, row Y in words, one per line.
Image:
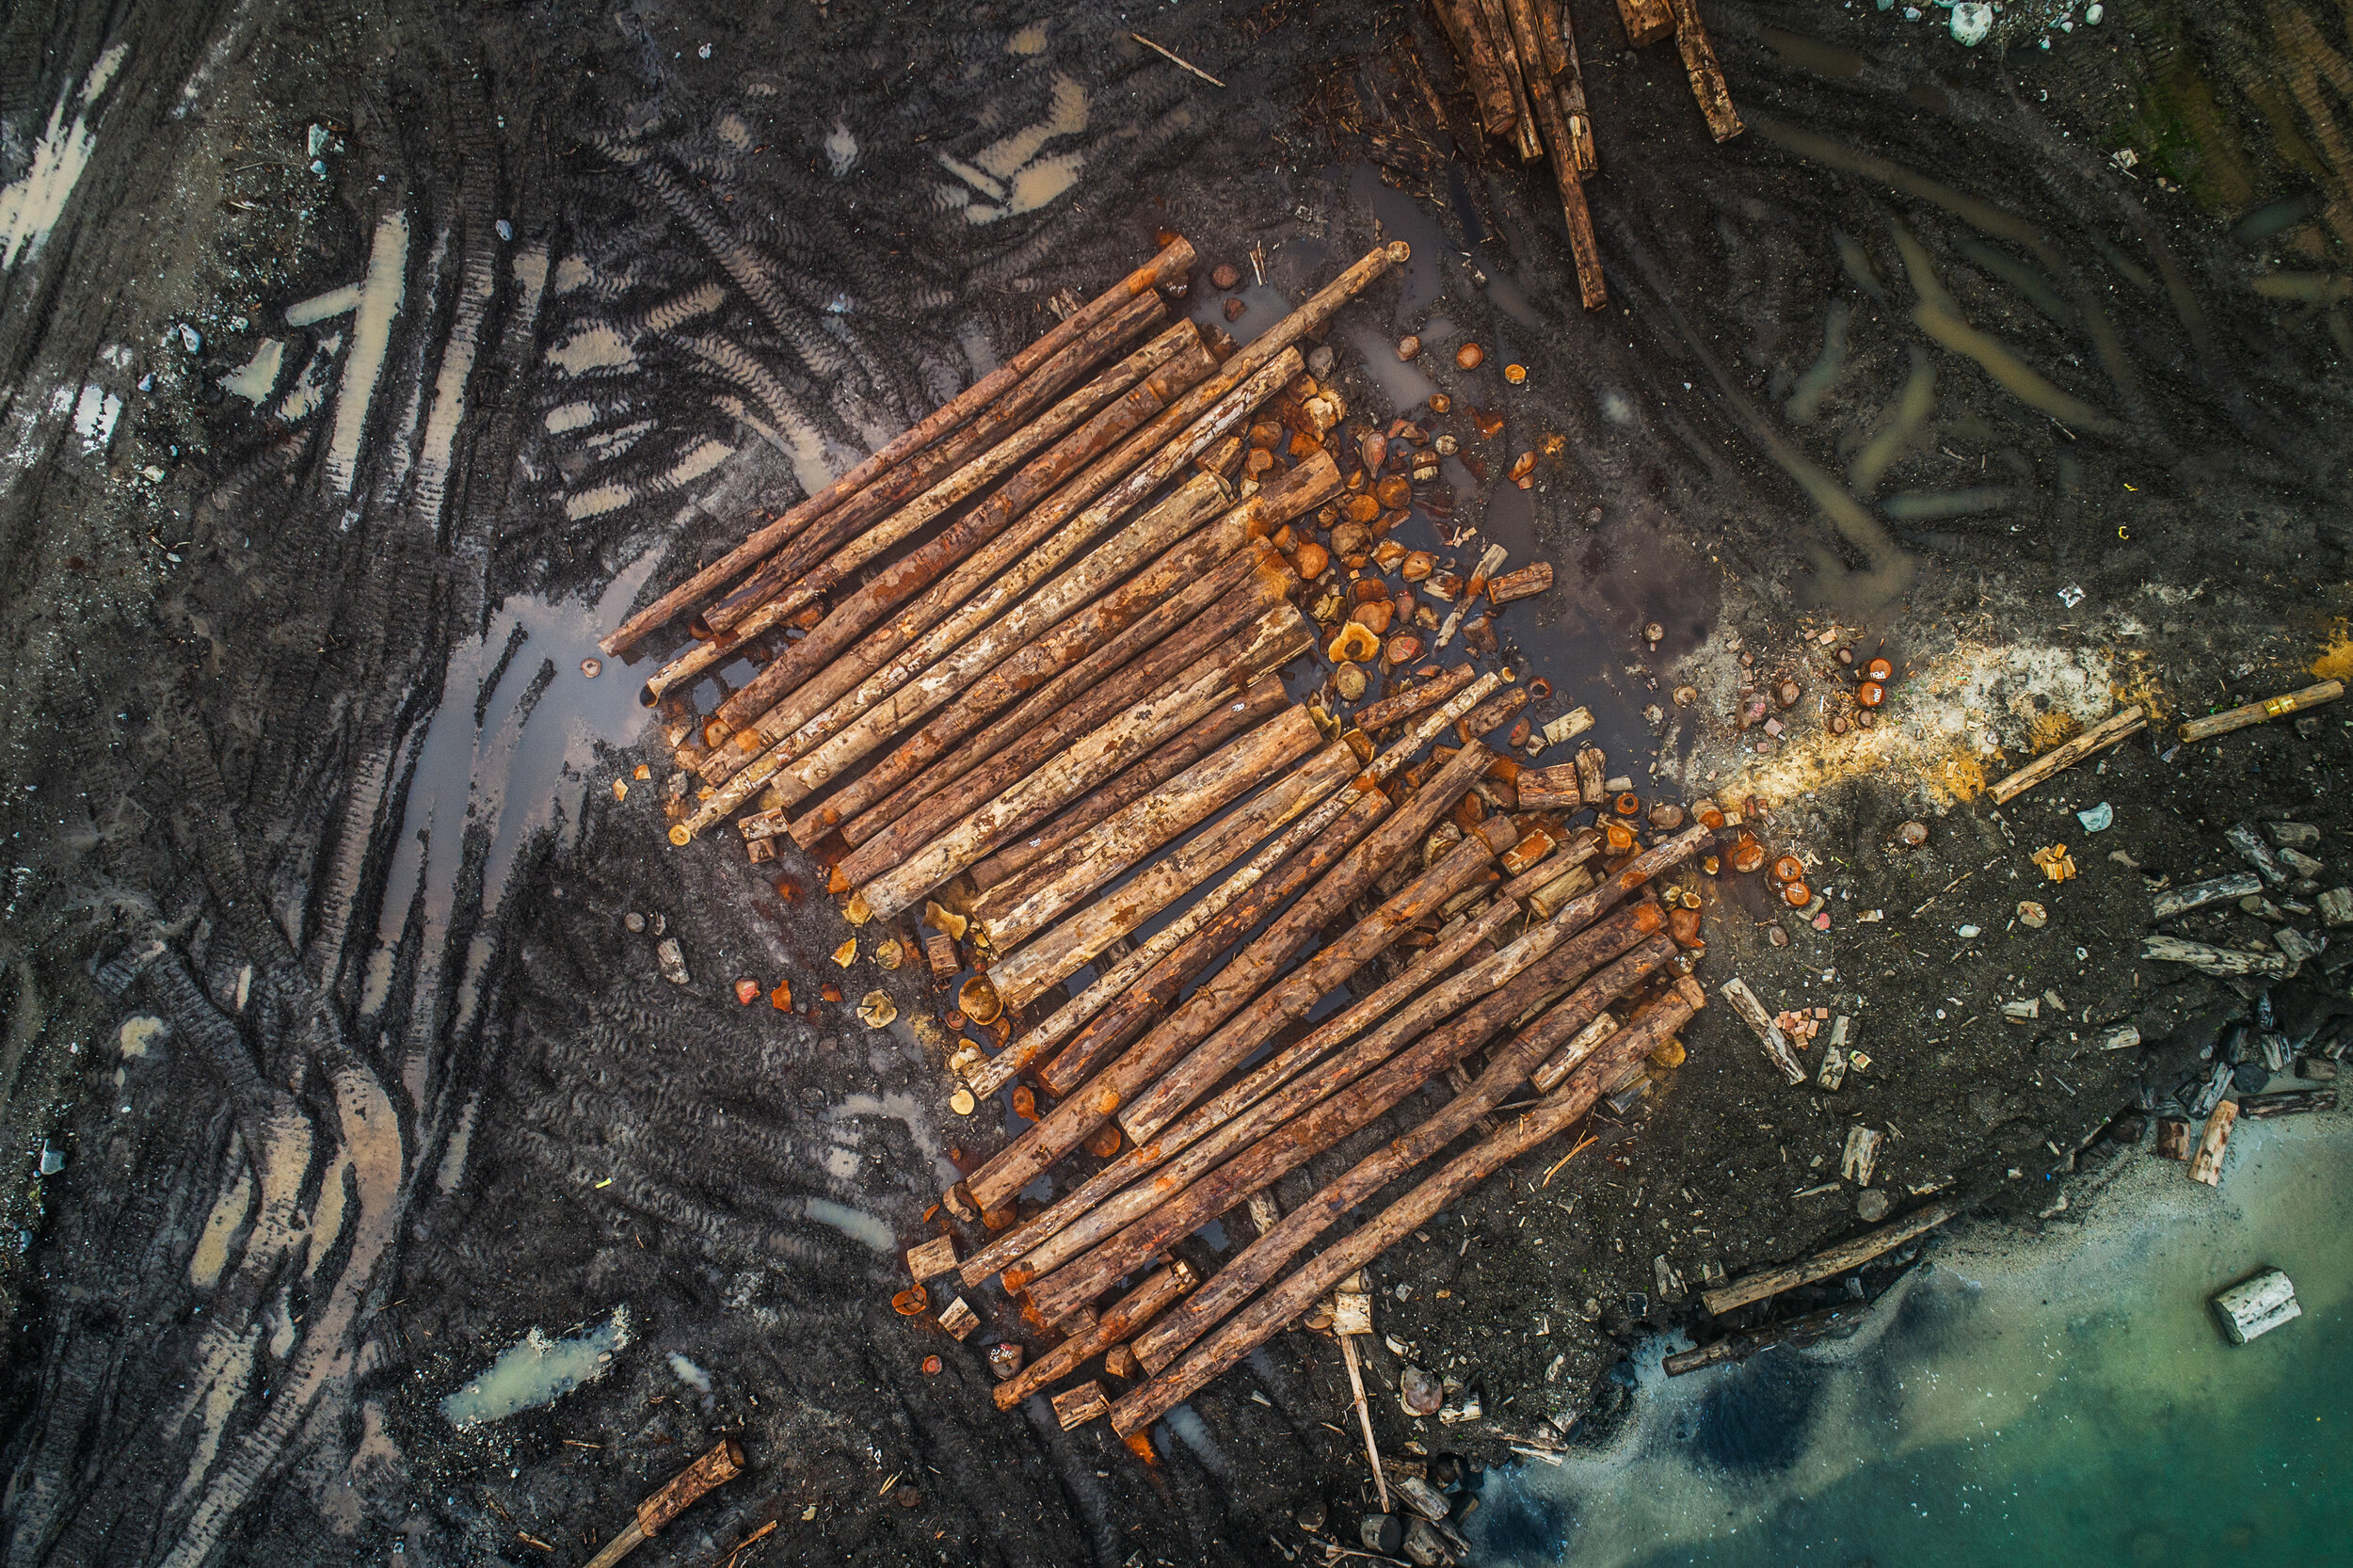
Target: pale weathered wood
column 2223, row 962
column 1707, row 75
column 2212, row 1143
column 1823, row 1265
column 1754, row 1014
column 2259, row 712
column 1646, row 20
column 2197, row 895
column 2123, row 722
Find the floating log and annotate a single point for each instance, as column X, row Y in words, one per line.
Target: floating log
column 1756, row 1286
column 1747, row 1343
column 2253, row 1307
column 2123, row 722
column 1274, row 639
column 1174, row 262
column 2288, row 1102
column 1069, row 947
column 1593, row 781
column 1091, row 1105
column 1376, row 717
column 1046, row 452
column 1508, row 1067
column 1528, row 582
column 2260, row 712
column 1553, row 789
column 1263, row 1318
column 1119, row 1322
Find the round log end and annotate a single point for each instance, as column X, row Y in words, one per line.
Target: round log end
column 681, row 835
column 1399, row 252
column 977, row 999
column 646, row 696
column 699, row 628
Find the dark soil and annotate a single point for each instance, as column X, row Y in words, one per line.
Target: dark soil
column 378, row 1136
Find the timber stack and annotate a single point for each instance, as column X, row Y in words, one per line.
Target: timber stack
column 1019, row 681
column 1519, row 62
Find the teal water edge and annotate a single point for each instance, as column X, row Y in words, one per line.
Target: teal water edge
column 2066, row 1399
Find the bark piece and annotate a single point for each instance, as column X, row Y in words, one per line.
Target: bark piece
column 1861, row 1156
column 1593, row 777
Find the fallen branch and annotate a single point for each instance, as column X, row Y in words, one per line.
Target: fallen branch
column 2123, row 722
column 1823, row 1265
column 2260, row 712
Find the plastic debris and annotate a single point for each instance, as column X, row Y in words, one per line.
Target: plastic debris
column 2098, row 819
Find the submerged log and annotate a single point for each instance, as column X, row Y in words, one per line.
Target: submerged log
column 1834, row 1260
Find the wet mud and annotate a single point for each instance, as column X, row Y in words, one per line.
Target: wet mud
column 357, row 367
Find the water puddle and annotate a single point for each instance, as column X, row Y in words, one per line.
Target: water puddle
column 537, row 1371
column 506, row 757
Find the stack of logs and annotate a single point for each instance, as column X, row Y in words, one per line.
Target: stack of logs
column 1520, row 60
column 1018, row 675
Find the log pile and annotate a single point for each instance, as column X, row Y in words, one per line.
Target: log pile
column 1018, row 683
column 1519, row 60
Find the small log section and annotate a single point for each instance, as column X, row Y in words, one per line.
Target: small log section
column 2123, row 722
column 2262, row 712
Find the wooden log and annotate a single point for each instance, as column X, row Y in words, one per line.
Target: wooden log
column 2253, row 1307
column 1174, row 262
column 2197, row 895
column 1081, row 1405
column 1466, row 27
column 2220, row 962
column 1263, row 595
column 1274, row 639
column 1708, row 75
column 1756, row 1286
column 2260, row 712
column 1545, row 58
column 1526, row 583
column 930, row 674
column 1119, row 1322
column 1215, row 1000
column 1646, row 20
column 861, row 629
column 2123, row 722
column 1262, row 700
column 2288, row 1102
column 933, row 1259
column 1508, row 1067
column 1219, row 1110
column 1578, row 118
column 1327, row 1120
column 1568, row 181
column 1019, row 441
column 986, row 580
column 2212, row 1143
column 673, row 1498
column 1076, row 641
column 1593, row 777
column 1206, row 911
column 1044, row 452
column 1263, row 1318
column 1376, row 717
column 1497, row 711
column 1752, row 1012
column 1747, row 1343
column 1012, row 912
column 1523, row 135
column 1069, row 947
column 1290, row 997
column 1245, row 585
column 1553, row 789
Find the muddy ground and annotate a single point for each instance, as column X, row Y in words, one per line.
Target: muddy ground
column 330, row 1066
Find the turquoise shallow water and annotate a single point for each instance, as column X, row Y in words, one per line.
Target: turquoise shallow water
column 2067, row 1400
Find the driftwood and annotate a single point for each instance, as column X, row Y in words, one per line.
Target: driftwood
column 1747, row 1343
column 2123, row 722
column 1274, row 639
column 1091, row 1105
column 1206, row 911
column 2197, row 895
column 1102, row 629
column 1508, row 1067
column 1259, row 600
column 1069, row 946
column 1046, row 452
column 2259, row 712
column 1326, row 1121
column 1262, row 700
column 2223, row 962
column 1174, row 262
column 1823, row 1265
column 1263, row 1318
column 1777, row 1047
column 1119, row 1322
column 1553, row 789
column 2212, row 1143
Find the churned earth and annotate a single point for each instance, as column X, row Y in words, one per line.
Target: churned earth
column 361, row 368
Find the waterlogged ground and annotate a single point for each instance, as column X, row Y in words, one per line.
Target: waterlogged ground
column 356, row 369
column 2066, row 1400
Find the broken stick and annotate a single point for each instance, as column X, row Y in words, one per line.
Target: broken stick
column 2123, row 722
column 2259, row 712
column 1822, row 1265
column 672, row 1498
